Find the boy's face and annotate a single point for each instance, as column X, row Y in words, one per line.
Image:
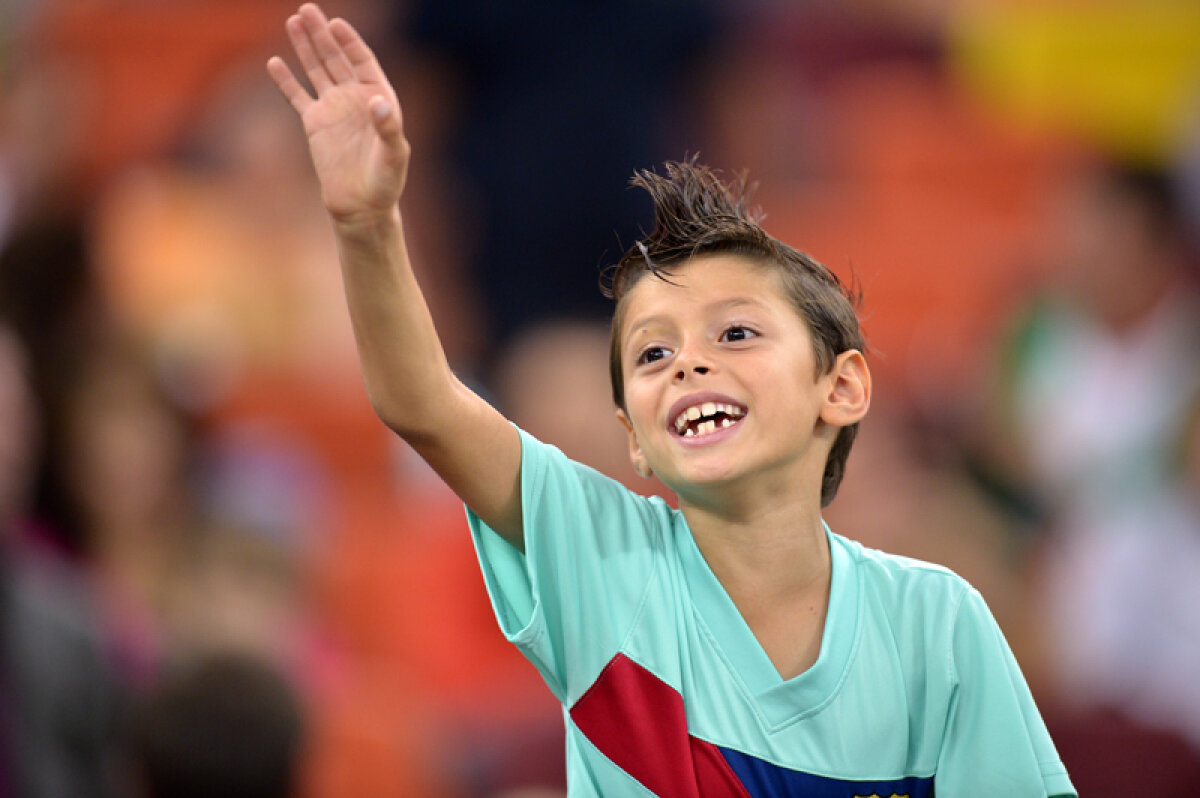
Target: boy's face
column 721, row 383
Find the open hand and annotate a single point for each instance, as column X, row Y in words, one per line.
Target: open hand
column 353, row 125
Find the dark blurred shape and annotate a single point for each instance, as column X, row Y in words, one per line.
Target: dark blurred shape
column 559, row 103
column 225, row 725
column 56, row 694
column 48, row 298
column 47, row 291
column 58, row 699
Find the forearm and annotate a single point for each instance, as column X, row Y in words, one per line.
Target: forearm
column 410, row 383
column 407, row 377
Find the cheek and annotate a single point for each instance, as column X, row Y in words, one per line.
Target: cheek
column 640, row 409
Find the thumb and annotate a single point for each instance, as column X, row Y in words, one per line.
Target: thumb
column 386, row 120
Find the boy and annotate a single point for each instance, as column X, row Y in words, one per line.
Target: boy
column 735, row 647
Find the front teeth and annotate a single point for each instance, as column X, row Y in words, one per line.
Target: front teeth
column 708, row 427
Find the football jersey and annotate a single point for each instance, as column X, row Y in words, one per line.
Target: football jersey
column 667, row 692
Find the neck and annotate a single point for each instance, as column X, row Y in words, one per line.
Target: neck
column 775, row 552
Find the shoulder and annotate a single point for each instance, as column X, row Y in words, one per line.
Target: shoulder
column 548, row 473
column 896, row 574
column 912, row 599
column 598, row 514
column 915, row 610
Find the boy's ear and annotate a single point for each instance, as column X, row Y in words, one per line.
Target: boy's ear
column 849, row 394
column 635, row 451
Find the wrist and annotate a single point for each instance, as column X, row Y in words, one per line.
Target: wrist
column 367, row 224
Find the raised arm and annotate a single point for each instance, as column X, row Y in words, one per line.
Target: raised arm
column 356, row 139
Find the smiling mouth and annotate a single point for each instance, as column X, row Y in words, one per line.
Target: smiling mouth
column 706, row 418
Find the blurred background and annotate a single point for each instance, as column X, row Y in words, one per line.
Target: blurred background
column 207, row 536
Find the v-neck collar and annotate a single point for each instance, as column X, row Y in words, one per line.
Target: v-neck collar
column 781, row 701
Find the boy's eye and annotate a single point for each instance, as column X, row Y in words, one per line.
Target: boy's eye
column 736, row 333
column 651, row 354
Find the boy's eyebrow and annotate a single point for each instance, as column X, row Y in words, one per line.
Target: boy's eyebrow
column 736, row 302
column 731, row 303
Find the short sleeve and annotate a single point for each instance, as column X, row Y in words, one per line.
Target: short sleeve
column 996, row 742
column 591, row 548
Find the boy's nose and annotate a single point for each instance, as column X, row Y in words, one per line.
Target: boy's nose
column 698, row 369
column 692, row 359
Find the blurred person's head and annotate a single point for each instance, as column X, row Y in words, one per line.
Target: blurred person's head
column 245, row 134
column 1123, row 241
column 225, row 725
column 551, row 377
column 119, row 448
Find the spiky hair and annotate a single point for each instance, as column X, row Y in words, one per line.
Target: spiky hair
column 695, row 212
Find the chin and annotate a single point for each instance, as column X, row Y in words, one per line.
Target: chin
column 706, row 479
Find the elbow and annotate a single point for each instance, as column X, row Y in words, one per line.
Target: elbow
column 415, row 418
column 399, row 418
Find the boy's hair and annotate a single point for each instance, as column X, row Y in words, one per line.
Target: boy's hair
column 696, row 213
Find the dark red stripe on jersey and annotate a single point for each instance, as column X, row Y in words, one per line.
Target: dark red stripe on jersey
column 638, row 721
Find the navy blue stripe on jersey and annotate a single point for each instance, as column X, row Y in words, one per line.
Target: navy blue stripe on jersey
column 765, row 780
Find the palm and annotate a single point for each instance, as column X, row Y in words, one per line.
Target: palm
column 361, row 160
column 351, row 160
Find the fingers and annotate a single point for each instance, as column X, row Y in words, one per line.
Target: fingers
column 288, row 85
column 332, row 53
column 309, row 61
column 327, row 50
column 320, row 56
column 365, row 65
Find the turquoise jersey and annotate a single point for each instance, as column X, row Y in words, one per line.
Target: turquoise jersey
column 667, row 692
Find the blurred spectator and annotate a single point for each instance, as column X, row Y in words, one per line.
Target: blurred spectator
column 557, row 103
column 225, row 725
column 121, row 455
column 56, row 694
column 1121, row 295
column 1094, row 393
